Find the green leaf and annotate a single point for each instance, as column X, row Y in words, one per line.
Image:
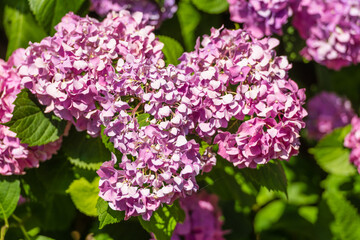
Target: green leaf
column 143, row 119
column 31, row 125
column 84, row 151
column 43, row 238
column 163, row 221
column 270, row 175
column 85, row 195
column 269, row 215
column 324, row 222
column 103, row 236
column 43, row 11
column 53, row 177
column 54, row 213
column 107, row 215
column 189, row 19
column 203, row 146
column 172, row 49
column 9, row 196
column 211, row 6
column 34, row 231
column 331, row 155
column 227, row 182
column 20, row 26
column 49, row 12
column 309, row 213
column 347, row 219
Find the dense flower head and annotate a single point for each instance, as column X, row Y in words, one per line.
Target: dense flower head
column 331, row 29
column 261, row 17
column 155, row 168
column 202, row 218
column 154, row 14
column 73, row 72
column 352, row 141
column 15, row 156
column 327, row 111
column 234, row 78
column 159, row 163
column 9, row 88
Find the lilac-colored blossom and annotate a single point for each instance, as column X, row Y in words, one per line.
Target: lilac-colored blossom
column 239, row 79
column 352, row 141
column 73, row 72
column 9, row 88
column 155, row 168
column 202, row 218
column 153, row 13
column 327, row 111
column 261, row 17
column 159, row 163
column 331, row 29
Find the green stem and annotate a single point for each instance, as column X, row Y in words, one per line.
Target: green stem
column 22, row 228
column 6, row 226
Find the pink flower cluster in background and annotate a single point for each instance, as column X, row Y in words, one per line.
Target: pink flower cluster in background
column 15, row 156
column 202, row 218
column 154, row 14
column 261, row 17
column 331, row 28
column 352, row 141
column 327, row 111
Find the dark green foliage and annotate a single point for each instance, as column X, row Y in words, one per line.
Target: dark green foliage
column 163, row 221
column 84, row 151
column 107, row 215
column 31, row 125
column 331, row 155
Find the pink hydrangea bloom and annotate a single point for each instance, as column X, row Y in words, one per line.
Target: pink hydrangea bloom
column 153, row 13
column 73, row 72
column 9, row 88
column 327, row 111
column 352, row 141
column 159, row 164
column 239, row 78
column 331, row 29
column 155, row 168
column 261, row 17
column 15, row 156
column 202, row 220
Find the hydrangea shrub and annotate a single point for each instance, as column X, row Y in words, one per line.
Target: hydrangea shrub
column 175, row 144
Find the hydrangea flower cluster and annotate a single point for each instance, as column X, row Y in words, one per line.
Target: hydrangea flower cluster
column 261, row 17
column 202, row 218
column 153, row 13
column 236, row 77
column 15, row 156
column 352, row 141
column 112, row 73
column 327, row 111
column 164, row 163
column 331, row 29
column 72, row 72
column 162, row 170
